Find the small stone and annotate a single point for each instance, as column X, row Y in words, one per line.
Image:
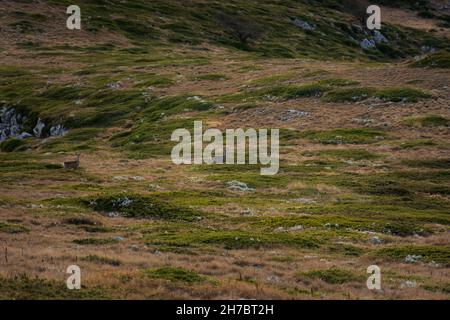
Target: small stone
column 367, row 44
column 239, row 186
column 302, row 24
column 375, row 240
column 296, row 228
column 412, row 258
column 118, row 239
column 408, row 285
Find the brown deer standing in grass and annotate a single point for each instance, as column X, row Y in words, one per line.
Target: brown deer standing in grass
column 72, row 164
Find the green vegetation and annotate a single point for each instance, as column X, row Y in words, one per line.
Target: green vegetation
column 438, row 254
column 347, row 154
column 6, row 227
column 175, row 275
column 11, row 145
column 333, row 276
column 389, row 94
column 350, row 94
column 439, row 59
column 428, row 121
column 101, row 260
column 402, row 95
column 134, row 206
column 94, row 241
column 347, row 136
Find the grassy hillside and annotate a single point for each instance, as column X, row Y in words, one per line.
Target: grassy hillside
column 364, row 170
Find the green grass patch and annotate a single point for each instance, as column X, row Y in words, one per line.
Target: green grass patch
column 427, row 121
column 439, row 59
column 135, row 206
column 24, row 287
column 6, row 227
column 346, row 136
column 347, row 154
column 438, row 254
column 333, row 276
column 402, row 94
column 211, row 77
column 349, row 94
column 102, row 260
column 11, row 145
column 175, row 275
column 94, row 241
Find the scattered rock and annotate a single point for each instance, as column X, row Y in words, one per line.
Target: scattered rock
column 379, row 37
column 367, row 44
column 296, row 228
column 23, row 135
column 114, row 85
column 375, row 240
column 239, row 186
column 37, row 130
column 303, row 24
column 292, row 114
column 304, row 200
column 273, row 279
column 412, row 258
column 58, row 130
column 118, row 239
column 247, row 212
column 279, row 229
column 10, row 123
column 408, row 285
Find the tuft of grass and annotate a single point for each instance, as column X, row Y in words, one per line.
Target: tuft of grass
column 6, row 227
column 428, row 121
column 93, row 241
column 212, row 77
column 348, row 154
column 413, row 144
column 175, row 274
column 11, row 145
column 101, row 260
column 135, row 206
column 402, row 94
column 333, row 276
column 349, row 94
column 438, row 254
column 439, row 59
column 347, row 136
column 24, row 287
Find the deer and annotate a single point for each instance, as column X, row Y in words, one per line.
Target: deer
column 72, row 164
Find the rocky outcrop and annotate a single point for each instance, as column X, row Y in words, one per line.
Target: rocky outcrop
column 37, row 130
column 12, row 123
column 58, row 130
